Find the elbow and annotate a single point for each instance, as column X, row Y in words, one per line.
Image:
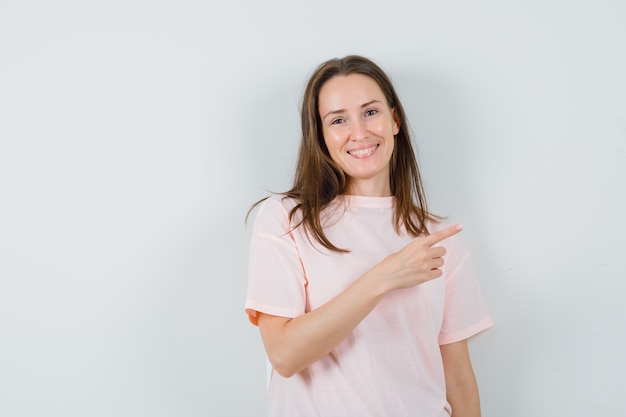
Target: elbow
column 285, row 372
column 283, row 366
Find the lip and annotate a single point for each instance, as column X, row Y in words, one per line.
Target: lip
column 363, row 151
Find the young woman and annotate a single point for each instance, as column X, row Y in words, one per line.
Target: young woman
column 364, row 300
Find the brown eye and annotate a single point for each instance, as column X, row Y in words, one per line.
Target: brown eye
column 371, row 112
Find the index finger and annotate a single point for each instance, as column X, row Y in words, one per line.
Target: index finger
column 443, row 234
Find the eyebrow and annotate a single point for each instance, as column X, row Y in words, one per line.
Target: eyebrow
column 343, row 110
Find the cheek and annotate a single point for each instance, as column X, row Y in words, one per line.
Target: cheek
column 333, row 143
column 384, row 127
column 394, row 128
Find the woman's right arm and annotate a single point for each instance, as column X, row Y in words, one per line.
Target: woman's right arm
column 292, row 344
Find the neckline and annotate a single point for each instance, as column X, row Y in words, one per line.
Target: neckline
column 368, row 202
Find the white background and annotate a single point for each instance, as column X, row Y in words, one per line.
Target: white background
column 135, row 135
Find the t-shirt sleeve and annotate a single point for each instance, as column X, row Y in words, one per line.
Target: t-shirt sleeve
column 276, row 279
column 465, row 312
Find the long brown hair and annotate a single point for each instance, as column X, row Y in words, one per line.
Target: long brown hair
column 318, row 179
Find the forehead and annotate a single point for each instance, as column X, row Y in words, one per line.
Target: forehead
column 344, row 91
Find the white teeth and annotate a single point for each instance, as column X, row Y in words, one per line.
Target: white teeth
column 361, row 152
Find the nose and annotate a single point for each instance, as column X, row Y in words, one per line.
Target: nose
column 359, row 130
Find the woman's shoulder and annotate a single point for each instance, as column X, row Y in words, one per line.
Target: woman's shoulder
column 434, row 225
column 274, row 211
column 280, row 202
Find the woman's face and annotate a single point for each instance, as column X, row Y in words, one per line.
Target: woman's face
column 359, row 127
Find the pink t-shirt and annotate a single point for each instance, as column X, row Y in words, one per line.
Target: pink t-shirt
column 390, row 365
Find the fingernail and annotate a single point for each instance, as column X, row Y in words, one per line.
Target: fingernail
column 459, row 227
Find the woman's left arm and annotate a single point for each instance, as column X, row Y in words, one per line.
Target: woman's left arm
column 461, row 387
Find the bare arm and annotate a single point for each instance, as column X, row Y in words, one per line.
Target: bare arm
column 293, row 344
column 461, row 387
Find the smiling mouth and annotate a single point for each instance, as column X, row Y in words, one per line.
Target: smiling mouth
column 362, row 153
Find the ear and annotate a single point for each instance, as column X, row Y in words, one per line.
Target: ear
column 396, row 121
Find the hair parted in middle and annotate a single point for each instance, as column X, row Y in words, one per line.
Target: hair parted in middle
column 318, row 180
